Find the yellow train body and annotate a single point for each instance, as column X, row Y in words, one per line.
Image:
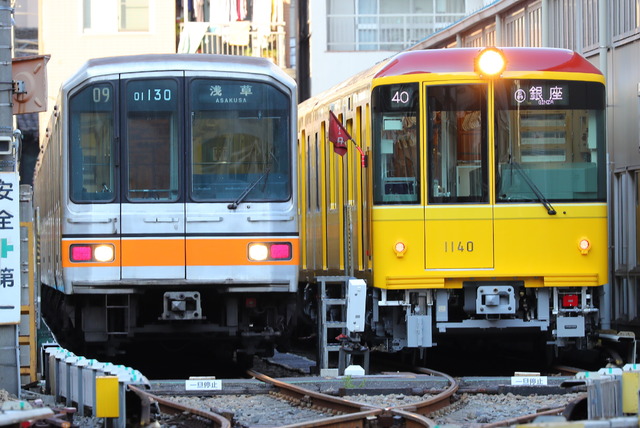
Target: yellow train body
column 483, row 203
column 443, row 248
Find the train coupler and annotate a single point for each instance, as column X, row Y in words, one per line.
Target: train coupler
column 182, row 305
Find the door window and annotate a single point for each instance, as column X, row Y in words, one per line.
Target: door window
column 152, row 135
column 457, row 142
column 396, row 149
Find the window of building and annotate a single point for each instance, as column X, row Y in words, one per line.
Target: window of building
column 626, row 18
column 110, row 16
column 134, row 15
column 590, row 28
column 362, row 25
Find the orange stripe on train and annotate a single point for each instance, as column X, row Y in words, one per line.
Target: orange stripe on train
column 171, row 252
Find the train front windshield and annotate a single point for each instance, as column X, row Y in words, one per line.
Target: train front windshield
column 549, row 142
column 237, row 137
column 239, row 141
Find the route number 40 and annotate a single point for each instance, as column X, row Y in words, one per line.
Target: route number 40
column 461, row 247
column 400, row 97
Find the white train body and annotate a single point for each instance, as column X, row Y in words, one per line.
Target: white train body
column 166, row 204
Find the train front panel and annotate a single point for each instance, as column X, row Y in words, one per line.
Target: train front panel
column 178, row 215
column 489, row 197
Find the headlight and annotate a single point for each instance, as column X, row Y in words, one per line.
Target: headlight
column 584, row 245
column 269, row 251
column 103, row 253
column 258, row 252
column 92, row 253
column 490, row 62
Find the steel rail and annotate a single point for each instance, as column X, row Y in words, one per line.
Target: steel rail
column 351, row 420
column 524, row 418
column 171, row 407
column 413, row 414
column 561, row 410
column 311, row 398
column 413, row 419
column 436, row 402
column 348, row 414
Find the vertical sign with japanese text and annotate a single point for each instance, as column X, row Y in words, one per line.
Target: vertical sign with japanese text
column 9, row 248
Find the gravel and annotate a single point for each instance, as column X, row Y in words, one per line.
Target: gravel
column 262, row 410
column 253, row 410
column 469, row 410
column 487, row 408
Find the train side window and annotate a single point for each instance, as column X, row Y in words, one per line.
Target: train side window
column 395, row 144
column 152, row 130
column 91, row 139
column 457, row 141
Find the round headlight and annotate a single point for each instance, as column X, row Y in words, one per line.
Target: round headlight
column 584, row 245
column 258, row 252
column 490, row 62
column 103, row 253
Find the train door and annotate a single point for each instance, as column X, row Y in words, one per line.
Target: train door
column 152, row 209
column 316, row 224
column 458, row 213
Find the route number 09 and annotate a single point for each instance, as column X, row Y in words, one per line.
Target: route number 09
column 400, row 97
column 461, row 247
column 101, row 94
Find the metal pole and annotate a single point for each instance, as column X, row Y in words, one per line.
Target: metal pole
column 608, row 311
column 10, row 219
column 303, row 51
column 345, row 214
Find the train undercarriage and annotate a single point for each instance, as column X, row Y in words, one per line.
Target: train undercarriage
column 555, row 323
column 567, row 316
column 230, row 325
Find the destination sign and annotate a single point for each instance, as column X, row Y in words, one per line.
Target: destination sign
column 532, row 93
column 224, row 94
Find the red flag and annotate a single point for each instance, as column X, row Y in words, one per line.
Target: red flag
column 338, row 135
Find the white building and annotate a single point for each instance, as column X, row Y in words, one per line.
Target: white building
column 348, row 36
column 73, row 31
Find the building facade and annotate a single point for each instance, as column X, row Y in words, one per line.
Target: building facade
column 607, row 33
column 349, row 36
column 73, row 31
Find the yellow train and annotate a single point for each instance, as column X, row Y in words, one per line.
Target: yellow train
column 481, row 208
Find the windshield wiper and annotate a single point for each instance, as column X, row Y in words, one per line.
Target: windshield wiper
column 233, row 205
column 534, row 188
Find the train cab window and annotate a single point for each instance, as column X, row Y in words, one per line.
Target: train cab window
column 91, row 133
column 240, row 133
column 152, row 140
column 395, row 144
column 457, row 141
column 550, row 142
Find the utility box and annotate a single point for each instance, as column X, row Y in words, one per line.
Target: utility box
column 30, row 84
column 356, row 305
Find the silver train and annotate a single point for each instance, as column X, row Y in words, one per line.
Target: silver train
column 166, row 206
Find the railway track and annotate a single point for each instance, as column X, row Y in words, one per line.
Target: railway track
column 331, row 411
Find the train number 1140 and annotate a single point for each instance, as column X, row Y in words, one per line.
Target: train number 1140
column 460, row 247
